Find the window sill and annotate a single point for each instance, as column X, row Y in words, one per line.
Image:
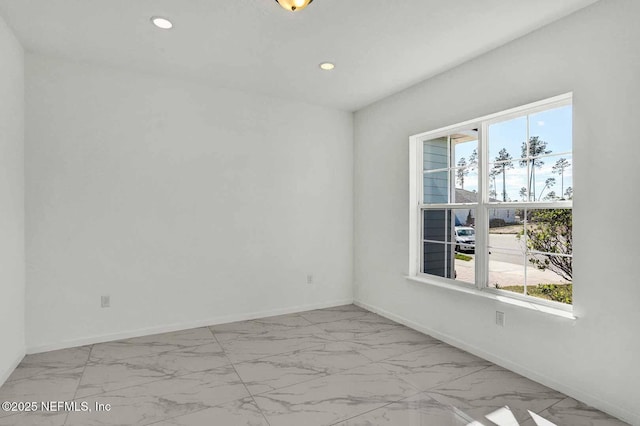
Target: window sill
column 564, row 313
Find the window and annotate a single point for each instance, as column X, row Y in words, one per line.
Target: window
column 491, row 203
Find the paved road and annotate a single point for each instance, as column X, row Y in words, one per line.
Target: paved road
column 507, row 248
column 506, row 264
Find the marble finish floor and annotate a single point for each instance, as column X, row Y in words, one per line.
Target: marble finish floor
column 336, row 366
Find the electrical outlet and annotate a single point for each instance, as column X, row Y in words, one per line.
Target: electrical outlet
column 105, row 301
column 500, row 319
column 309, row 279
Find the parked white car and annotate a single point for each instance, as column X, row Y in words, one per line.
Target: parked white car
column 465, row 238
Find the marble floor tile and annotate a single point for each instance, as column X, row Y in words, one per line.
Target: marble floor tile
column 147, row 345
column 322, row 367
column 246, row 348
column 487, row 390
column 60, row 360
column 430, row 367
column 385, row 344
column 278, row 371
column 187, row 360
column 163, row 399
column 570, row 412
column 374, row 318
column 418, row 410
column 104, row 376
column 34, row 419
column 333, row 398
column 242, row 412
column 113, row 375
column 333, row 314
column 50, row 386
column 348, row 329
column 268, row 325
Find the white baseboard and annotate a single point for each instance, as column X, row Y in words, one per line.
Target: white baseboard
column 180, row 326
column 4, row 375
column 621, row 413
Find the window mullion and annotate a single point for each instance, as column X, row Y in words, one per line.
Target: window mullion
column 481, row 225
column 420, row 197
column 416, row 188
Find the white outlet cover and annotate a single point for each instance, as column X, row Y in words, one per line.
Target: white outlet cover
column 500, row 318
column 105, row 301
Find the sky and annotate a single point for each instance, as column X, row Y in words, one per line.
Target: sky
column 552, row 126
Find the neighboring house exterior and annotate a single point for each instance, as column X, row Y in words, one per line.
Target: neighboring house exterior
column 462, row 216
column 508, row 215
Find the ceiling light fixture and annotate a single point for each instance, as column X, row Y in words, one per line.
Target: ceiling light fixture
column 327, row 66
column 294, row 5
column 160, row 22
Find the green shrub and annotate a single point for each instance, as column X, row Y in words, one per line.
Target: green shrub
column 464, row 257
column 562, row 293
column 558, row 292
column 497, row 223
column 551, row 232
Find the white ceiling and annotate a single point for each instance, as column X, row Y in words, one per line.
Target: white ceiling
column 379, row 46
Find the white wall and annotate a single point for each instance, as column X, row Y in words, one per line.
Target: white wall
column 187, row 205
column 596, row 54
column 12, row 281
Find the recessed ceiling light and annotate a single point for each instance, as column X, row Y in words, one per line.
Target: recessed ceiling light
column 327, row 66
column 163, row 23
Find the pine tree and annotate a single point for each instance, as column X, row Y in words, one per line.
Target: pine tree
column 523, row 193
column 569, row 193
column 537, row 147
column 503, row 162
column 462, row 171
column 547, row 184
column 469, row 219
column 559, row 169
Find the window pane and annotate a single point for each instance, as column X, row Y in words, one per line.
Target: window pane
column 436, row 187
column 506, row 228
column 550, row 178
column 549, row 242
column 436, row 154
column 465, row 218
column 548, row 269
column 442, row 260
column 443, row 225
column 464, row 232
column 506, row 270
column 438, row 259
column 551, row 131
column 506, row 181
column 546, row 278
column 550, row 231
column 465, row 149
column 465, row 267
column 466, row 185
column 449, row 246
column 506, row 139
column 437, row 225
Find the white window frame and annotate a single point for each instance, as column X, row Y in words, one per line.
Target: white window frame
column 483, row 206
